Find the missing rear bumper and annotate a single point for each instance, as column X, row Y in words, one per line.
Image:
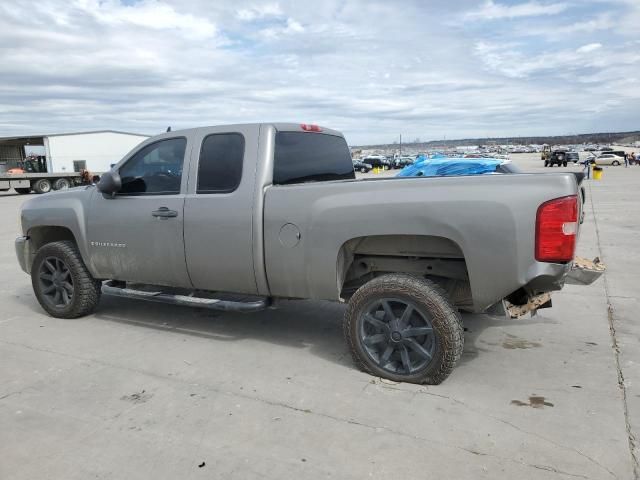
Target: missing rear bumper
column 584, row 271
column 539, row 301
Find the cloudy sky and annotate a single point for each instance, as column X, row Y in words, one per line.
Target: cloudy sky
column 428, row 70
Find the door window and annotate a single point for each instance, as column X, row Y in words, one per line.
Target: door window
column 220, row 165
column 154, row 170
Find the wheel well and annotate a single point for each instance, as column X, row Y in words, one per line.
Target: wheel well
column 437, row 258
column 39, row 236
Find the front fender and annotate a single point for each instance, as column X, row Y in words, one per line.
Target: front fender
column 66, row 209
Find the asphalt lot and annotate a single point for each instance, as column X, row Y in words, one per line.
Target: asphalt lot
column 141, row 391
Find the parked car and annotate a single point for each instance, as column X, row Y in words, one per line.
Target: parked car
column 619, row 153
column 573, row 157
column 362, row 167
column 609, row 159
column 273, row 211
column 401, row 162
column 554, row 156
column 377, row 161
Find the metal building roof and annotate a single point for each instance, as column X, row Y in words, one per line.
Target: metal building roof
column 38, row 137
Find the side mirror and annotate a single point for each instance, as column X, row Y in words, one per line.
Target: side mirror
column 110, row 183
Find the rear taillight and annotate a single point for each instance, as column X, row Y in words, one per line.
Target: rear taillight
column 556, row 230
column 307, row 127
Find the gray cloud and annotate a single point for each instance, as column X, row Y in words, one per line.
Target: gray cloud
column 370, row 69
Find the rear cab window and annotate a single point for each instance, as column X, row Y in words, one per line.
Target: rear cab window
column 301, row 157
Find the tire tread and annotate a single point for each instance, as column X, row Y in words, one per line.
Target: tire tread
column 87, row 295
column 430, row 295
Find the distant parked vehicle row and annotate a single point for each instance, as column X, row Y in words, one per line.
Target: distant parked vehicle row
column 370, row 162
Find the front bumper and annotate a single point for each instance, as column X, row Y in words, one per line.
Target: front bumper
column 23, row 252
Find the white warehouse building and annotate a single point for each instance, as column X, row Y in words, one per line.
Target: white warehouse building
column 68, row 152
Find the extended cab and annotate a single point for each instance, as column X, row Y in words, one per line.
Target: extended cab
column 236, row 217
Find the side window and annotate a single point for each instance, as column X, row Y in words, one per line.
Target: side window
column 220, row 165
column 154, row 170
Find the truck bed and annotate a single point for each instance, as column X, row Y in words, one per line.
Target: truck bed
column 489, row 220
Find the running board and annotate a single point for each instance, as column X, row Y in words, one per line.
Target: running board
column 187, row 300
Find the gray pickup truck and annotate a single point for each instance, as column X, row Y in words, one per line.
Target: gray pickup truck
column 239, row 217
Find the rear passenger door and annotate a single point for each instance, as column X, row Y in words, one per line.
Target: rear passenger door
column 218, row 210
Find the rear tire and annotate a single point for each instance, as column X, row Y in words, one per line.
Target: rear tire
column 421, row 346
column 23, row 191
column 42, row 186
column 615, row 163
column 61, row 184
column 564, row 164
column 62, row 284
column 546, row 163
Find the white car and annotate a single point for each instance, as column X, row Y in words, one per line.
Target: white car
column 609, row 159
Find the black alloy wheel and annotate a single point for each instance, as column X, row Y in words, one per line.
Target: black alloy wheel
column 397, row 336
column 404, row 328
column 56, row 282
column 61, row 281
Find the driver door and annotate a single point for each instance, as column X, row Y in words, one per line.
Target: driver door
column 137, row 234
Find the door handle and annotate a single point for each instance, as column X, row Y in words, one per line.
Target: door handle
column 164, row 212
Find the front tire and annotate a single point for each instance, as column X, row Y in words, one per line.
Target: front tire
column 62, row 284
column 615, row 163
column 403, row 328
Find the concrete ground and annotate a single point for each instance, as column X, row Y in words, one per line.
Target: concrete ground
column 141, row 391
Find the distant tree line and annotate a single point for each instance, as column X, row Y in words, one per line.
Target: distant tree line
column 587, row 138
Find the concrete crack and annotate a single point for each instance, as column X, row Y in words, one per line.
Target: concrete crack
column 426, row 440
column 349, row 421
column 10, row 394
column 616, row 353
column 514, row 426
column 555, row 470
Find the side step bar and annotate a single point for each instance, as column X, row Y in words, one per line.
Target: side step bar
column 187, row 300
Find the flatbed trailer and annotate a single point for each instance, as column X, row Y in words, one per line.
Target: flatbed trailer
column 24, row 183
